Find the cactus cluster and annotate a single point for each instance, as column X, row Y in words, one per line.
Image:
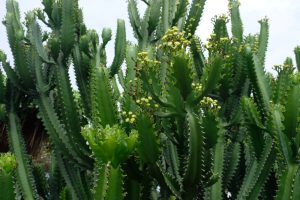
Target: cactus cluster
column 184, row 119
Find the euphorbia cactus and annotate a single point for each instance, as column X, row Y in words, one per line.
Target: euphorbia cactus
column 186, row 119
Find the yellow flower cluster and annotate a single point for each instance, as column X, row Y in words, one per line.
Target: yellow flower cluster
column 174, row 40
column 135, row 79
column 224, row 39
column 279, row 68
column 143, row 59
column 197, row 87
column 214, row 44
column 210, row 104
column 146, row 101
column 130, row 117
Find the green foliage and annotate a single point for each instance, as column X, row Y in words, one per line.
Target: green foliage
column 185, row 119
column 7, row 166
column 110, row 144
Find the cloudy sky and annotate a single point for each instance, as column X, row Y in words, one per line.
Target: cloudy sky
column 283, row 14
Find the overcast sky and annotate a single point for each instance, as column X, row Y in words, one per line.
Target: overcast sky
column 283, row 14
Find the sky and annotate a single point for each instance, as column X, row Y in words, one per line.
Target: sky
column 283, row 16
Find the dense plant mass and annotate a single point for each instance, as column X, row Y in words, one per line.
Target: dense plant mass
column 184, row 119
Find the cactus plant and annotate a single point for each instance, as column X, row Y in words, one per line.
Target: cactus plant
column 184, row 119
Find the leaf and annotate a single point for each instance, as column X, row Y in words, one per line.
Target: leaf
column 182, row 75
column 106, row 36
column 56, row 130
column 39, row 172
column 7, row 186
column 103, row 105
column 48, row 6
column 282, row 87
column 58, row 135
column 15, row 34
column 257, row 173
column 65, row 194
column 194, row 16
column 259, row 81
column 133, row 189
column 2, row 87
column 172, row 183
column 263, row 40
column 82, row 73
column 218, row 167
column 213, row 76
column 115, row 185
column 134, row 18
column 232, row 160
column 211, row 128
column 172, row 152
column 296, row 192
column 148, row 147
column 254, row 125
column 101, row 172
column 291, row 112
column 198, row 56
column 68, row 26
column 145, row 35
column 131, row 56
column 220, row 27
column 155, row 12
column 251, row 113
column 286, row 186
column 165, row 16
column 13, row 25
column 181, row 10
column 297, row 55
column 196, row 154
column 236, row 22
column 36, row 40
column 68, row 110
column 284, row 141
column 120, row 48
column 72, row 177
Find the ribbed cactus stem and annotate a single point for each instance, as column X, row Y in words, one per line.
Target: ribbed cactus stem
column 297, row 54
